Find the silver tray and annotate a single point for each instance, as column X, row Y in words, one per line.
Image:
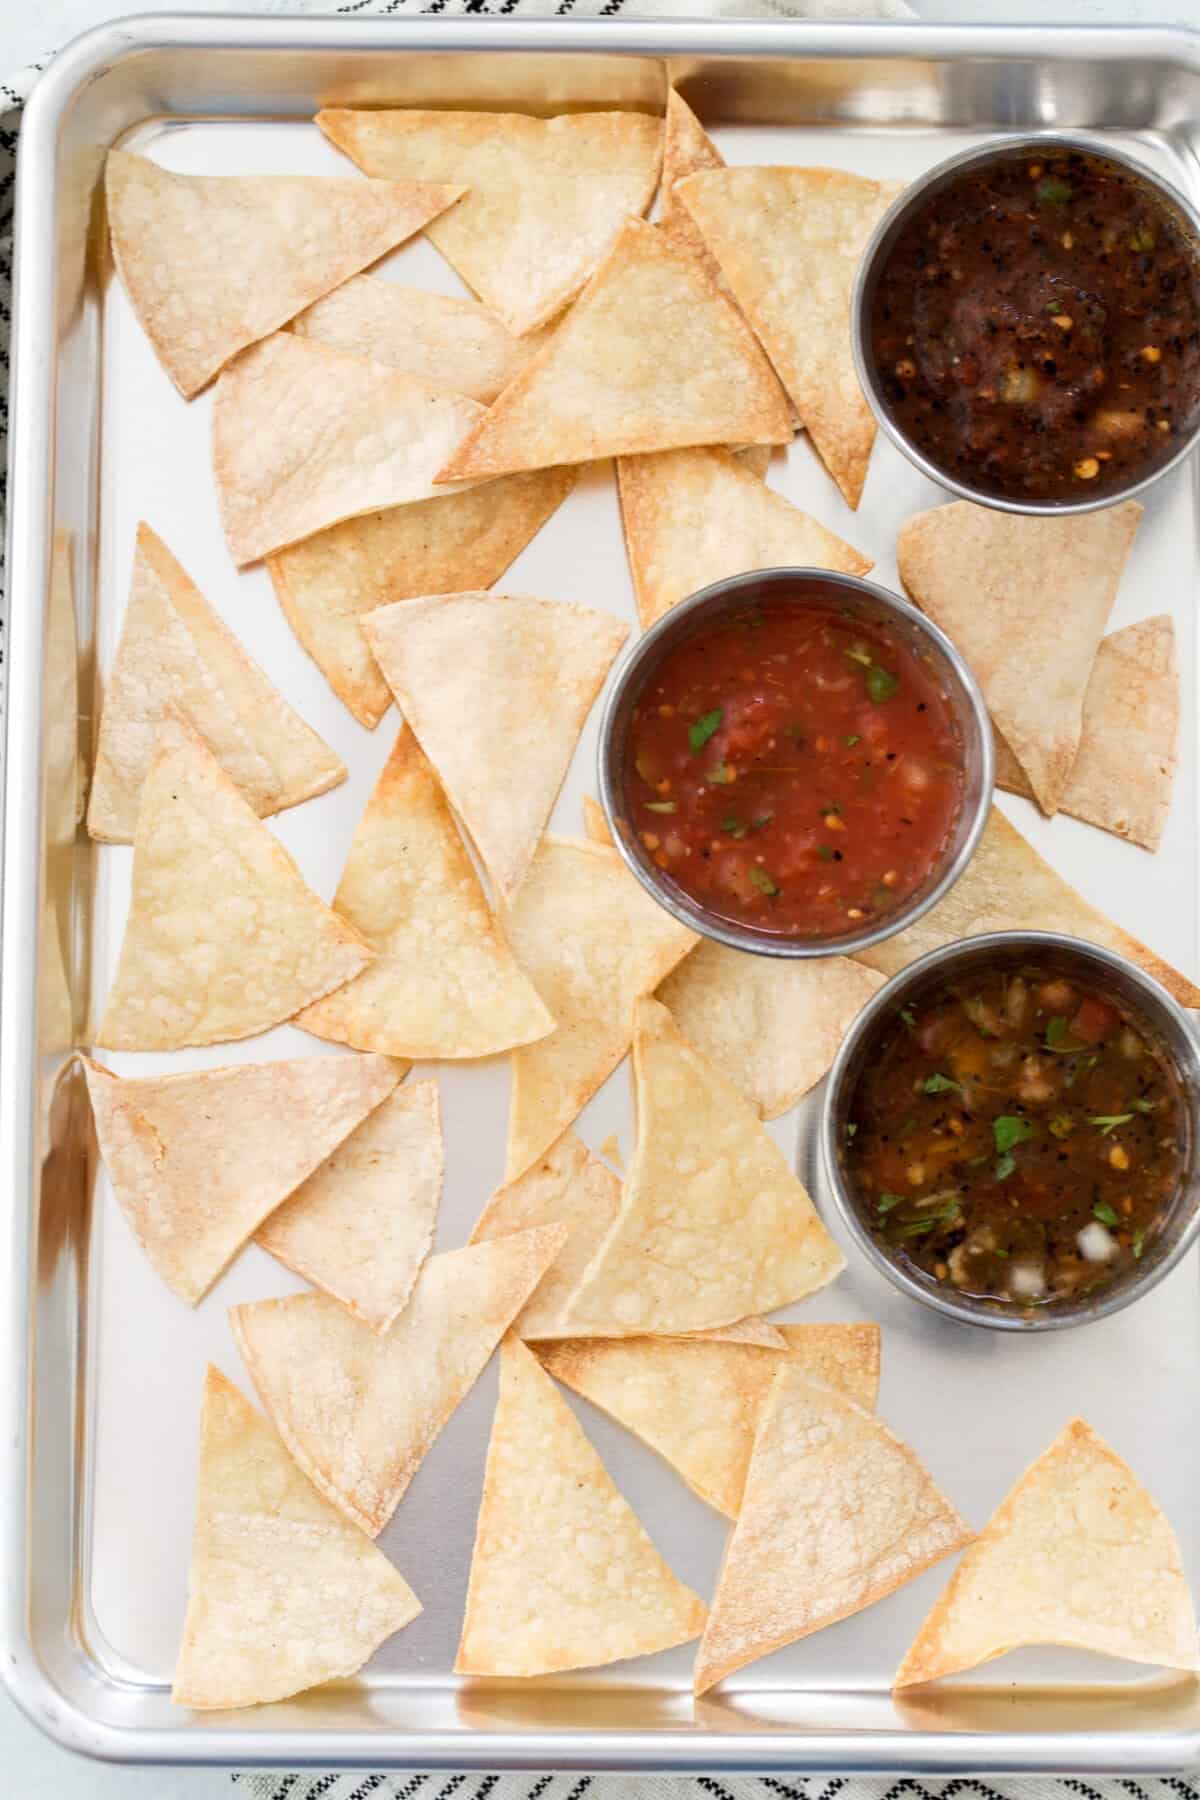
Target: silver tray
column 102, row 1367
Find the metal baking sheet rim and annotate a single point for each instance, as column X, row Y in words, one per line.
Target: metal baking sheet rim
column 30, row 532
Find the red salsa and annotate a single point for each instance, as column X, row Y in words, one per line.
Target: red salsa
column 794, row 769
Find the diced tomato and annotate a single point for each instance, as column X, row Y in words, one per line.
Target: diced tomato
column 1094, row 1020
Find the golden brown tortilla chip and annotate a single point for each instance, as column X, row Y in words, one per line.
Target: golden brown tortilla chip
column 755, row 457
column 836, row 1514
column 283, row 1594
column 547, row 197
column 563, row 1575
column 443, row 983
column 361, row 1225
column 223, row 938
column 652, row 356
column 496, row 688
column 212, row 263
column 994, row 580
column 789, row 243
column 359, row 1411
column 174, row 650
column 1078, row 1554
column 713, row 1223
column 1007, row 887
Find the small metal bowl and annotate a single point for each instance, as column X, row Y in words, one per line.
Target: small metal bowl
column 1174, row 1036
column 797, row 587
column 873, row 268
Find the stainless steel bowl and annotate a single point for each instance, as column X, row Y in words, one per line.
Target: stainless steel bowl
column 874, row 263
column 873, row 605
column 1173, row 1034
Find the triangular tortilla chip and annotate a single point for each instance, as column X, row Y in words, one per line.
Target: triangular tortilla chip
column 595, row 825
column 789, row 243
column 361, row 1225
column 197, row 1161
column 775, row 1026
column 652, row 356
column 713, row 1223
column 591, row 940
column 837, row 1513
column 1079, row 1555
column 359, row 1411
column 1007, row 887
column 563, row 1575
column 174, row 650
column 755, row 457
column 698, row 1404
column 696, row 516
column 211, row 263
column 303, row 436
column 547, row 196
column 283, row 1594
column 1124, row 769
column 497, row 688
column 444, row 982
column 687, row 149
column 1026, row 601
column 223, row 938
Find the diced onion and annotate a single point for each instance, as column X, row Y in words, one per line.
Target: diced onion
column 1096, row 1242
column 1027, row 1281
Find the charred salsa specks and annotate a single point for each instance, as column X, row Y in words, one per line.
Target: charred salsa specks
column 794, row 769
column 1036, row 327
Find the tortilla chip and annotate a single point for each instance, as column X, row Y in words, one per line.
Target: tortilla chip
column 197, row 1161
column 211, row 263
column 595, row 825
column 687, row 149
column 713, row 1223
column 283, row 1594
column 1007, row 887
column 563, row 1575
column 789, row 243
column 223, row 938
column 175, row 650
column 652, row 356
column 1079, row 1555
column 497, row 688
column 361, row 1225
column 1124, row 769
column 837, row 1513
column 993, row 580
column 591, row 940
column 775, row 1026
column 759, row 1333
column 303, row 436
column 695, row 516
column 444, row 982
column 755, row 457
column 547, row 197
column 359, row 1411
column 698, row 1404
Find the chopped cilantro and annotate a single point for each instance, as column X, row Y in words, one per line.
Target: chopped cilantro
column 908, row 1018
column 940, row 1084
column 1104, row 1212
column 886, row 1202
column 762, row 880
column 702, row 730
column 1009, row 1131
column 1108, row 1122
column 1004, row 1167
column 880, row 685
column 851, row 1129
column 1052, row 192
column 1056, row 1031
column 854, row 738
column 734, row 826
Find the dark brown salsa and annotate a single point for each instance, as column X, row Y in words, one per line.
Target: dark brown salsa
column 1016, row 1135
column 1037, row 327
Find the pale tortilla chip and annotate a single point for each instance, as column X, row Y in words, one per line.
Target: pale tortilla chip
column 595, row 825
column 1124, row 769
column 547, row 197
column 496, row 688
column 223, row 938
column 212, row 263
column 361, row 1225
column 695, row 516
column 358, row 1411
column 303, row 436
column 789, row 243
column 836, row 1514
column 687, row 149
column 1079, row 1555
column 652, row 356
column 713, row 1223
column 174, row 650
column 1007, row 887
column 283, row 1594
column 698, row 1404
column 444, row 982
column 563, row 1575
column 755, row 457
column 591, row 940
column 1026, row 601
column 760, row 1333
